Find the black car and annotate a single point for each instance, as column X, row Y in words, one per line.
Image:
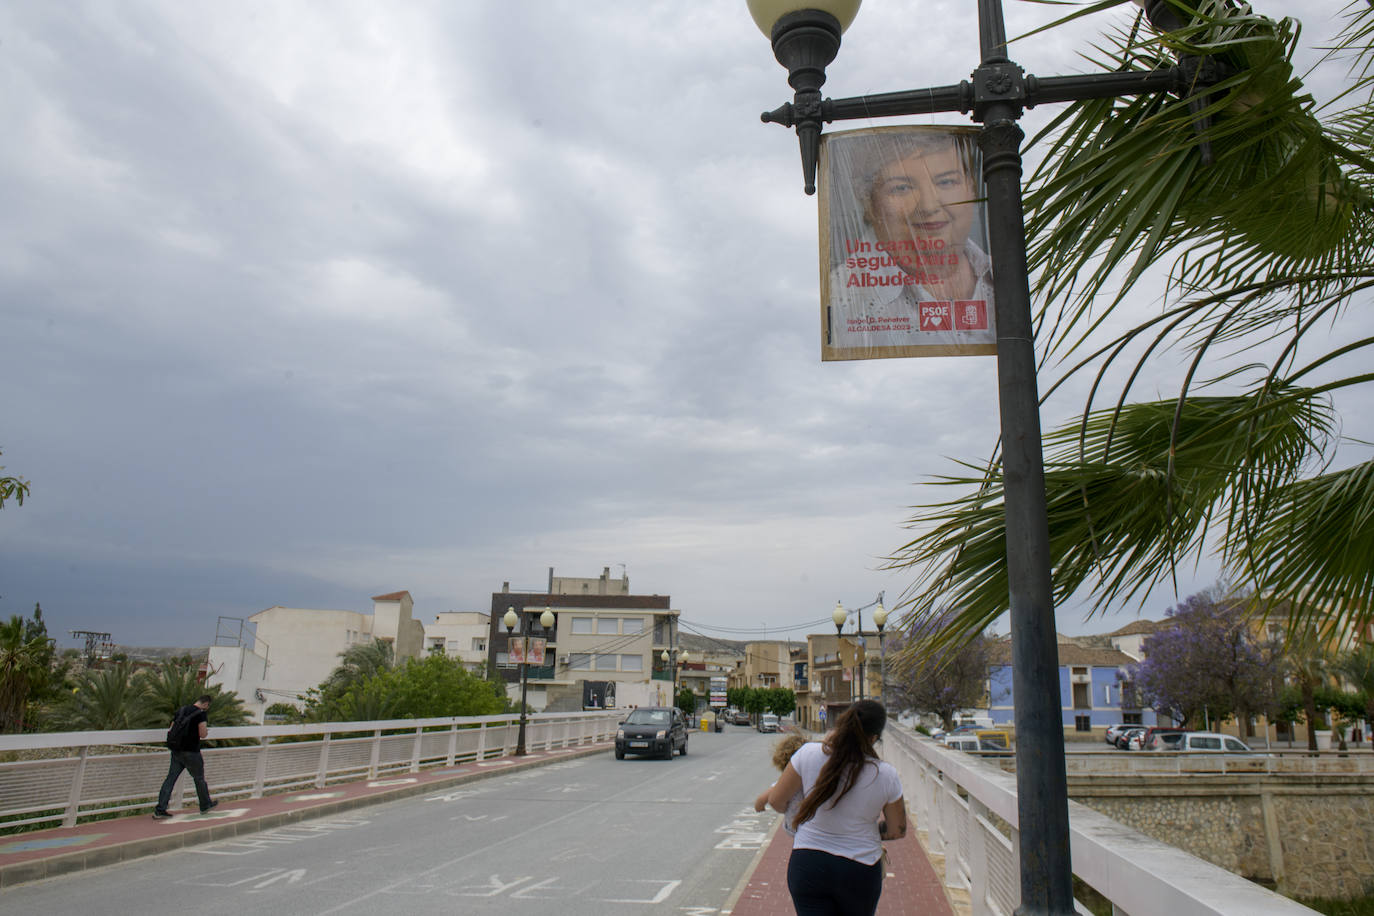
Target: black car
column 655, row 731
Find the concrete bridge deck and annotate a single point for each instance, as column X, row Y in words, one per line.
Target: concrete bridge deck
column 911, row 885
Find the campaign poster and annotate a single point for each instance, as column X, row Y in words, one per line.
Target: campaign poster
column 598, row 694
column 904, row 253
column 527, row 650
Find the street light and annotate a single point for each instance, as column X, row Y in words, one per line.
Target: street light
column 671, row 659
column 879, row 620
column 806, row 37
column 511, row 619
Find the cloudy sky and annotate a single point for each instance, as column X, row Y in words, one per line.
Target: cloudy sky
column 306, row 302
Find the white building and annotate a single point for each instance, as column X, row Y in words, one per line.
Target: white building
column 295, row 649
column 462, row 635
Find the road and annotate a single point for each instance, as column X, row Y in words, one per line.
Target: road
column 585, row 836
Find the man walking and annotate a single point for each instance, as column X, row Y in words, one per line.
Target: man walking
column 183, row 740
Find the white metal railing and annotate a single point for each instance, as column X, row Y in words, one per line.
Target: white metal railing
column 108, row 772
column 968, row 808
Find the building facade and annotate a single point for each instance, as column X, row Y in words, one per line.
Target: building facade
column 605, row 647
column 1095, row 690
column 295, row 649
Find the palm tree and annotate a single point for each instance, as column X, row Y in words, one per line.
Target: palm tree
column 359, row 662
column 1357, row 667
column 176, row 683
column 1264, row 202
column 25, row 658
column 103, row 699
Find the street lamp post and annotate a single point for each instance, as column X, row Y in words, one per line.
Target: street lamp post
column 806, row 37
column 671, row 658
column 880, row 620
column 511, row 619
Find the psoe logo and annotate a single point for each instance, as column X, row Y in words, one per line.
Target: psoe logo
column 936, row 316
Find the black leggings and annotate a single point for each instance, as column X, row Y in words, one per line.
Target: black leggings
column 828, row 885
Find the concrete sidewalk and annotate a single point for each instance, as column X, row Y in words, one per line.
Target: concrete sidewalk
column 27, row 857
column 911, row 885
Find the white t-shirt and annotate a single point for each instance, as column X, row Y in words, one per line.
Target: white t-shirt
column 849, row 829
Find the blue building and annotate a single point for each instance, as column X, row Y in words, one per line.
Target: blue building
column 1094, row 688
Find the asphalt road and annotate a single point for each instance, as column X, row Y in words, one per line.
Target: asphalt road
column 587, row 836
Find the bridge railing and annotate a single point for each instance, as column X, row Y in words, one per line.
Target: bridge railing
column 111, row 772
column 968, row 808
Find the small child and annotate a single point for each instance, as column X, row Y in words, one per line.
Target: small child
column 782, row 753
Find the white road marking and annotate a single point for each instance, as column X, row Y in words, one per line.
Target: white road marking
column 664, row 891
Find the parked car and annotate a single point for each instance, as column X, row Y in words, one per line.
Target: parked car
column 1164, row 741
column 768, row 722
column 741, row 717
column 654, row 731
column 1213, row 742
column 1158, row 738
column 1114, row 731
column 1124, row 736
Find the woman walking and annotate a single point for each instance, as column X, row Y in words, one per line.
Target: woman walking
column 852, row 801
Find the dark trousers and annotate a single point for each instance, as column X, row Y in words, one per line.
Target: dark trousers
column 191, row 762
column 828, row 885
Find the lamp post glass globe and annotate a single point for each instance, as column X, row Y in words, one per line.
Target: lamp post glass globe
column 546, row 619
column 880, row 617
column 767, row 12
column 839, row 615
column 510, row 619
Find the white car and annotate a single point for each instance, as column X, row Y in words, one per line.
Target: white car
column 1213, row 742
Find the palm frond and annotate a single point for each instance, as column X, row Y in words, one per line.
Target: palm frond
column 1313, row 549
column 1129, row 492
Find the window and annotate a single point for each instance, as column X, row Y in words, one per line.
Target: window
column 605, row 662
column 633, row 625
column 1202, row 743
column 607, row 626
column 503, row 660
column 1082, row 698
column 580, row 661
column 631, row 663
column 1083, row 723
column 1233, row 745
column 479, row 644
column 1131, row 718
column 1107, row 695
column 582, row 626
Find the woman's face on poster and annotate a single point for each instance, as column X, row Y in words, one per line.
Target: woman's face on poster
column 924, row 201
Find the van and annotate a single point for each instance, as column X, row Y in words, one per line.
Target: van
column 974, row 744
column 1212, row 742
column 768, row 722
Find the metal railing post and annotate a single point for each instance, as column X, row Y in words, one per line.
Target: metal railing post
column 415, row 750
column 260, row 777
column 482, row 741
column 376, row 754
column 74, row 797
column 978, row 857
column 452, row 744
column 322, row 774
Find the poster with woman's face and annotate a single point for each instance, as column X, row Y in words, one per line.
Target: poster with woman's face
column 904, row 263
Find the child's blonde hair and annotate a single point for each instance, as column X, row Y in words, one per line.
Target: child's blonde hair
column 785, row 748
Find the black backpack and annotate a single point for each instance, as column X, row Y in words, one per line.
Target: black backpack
column 179, row 735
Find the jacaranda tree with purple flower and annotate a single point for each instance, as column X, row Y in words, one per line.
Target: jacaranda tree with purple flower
column 1208, row 665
